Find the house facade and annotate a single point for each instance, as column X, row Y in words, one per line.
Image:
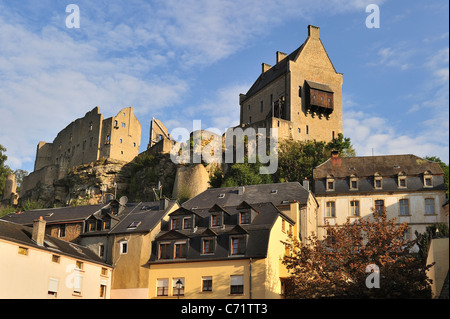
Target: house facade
column 37, row 266
column 227, row 243
column 409, row 188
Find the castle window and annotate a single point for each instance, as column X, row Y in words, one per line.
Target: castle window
column 250, row 120
column 90, row 127
column 108, row 139
column 120, row 140
column 262, row 106
column 307, row 129
column 123, row 124
column 115, row 123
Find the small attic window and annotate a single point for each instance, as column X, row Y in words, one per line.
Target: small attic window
column 274, row 191
column 222, row 195
column 49, row 215
column 134, row 224
column 285, row 202
column 396, row 166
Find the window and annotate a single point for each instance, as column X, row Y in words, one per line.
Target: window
column 379, row 206
column 262, row 106
column 56, row 259
column 330, row 183
column 429, row 206
column 187, row 223
column 162, row 287
column 23, row 251
column 175, row 223
column 206, row 284
column 104, row 271
column 77, row 283
column 353, row 182
column 176, row 291
column 102, row 291
column 115, row 123
column 404, row 207
column 164, row 252
column 53, row 287
column 123, row 247
column 122, row 124
column 307, row 129
column 330, row 209
column 79, row 265
column 134, row 224
column 402, row 182
column 237, row 245
column 215, row 220
column 101, row 250
column 283, row 225
column 208, row 245
column 427, row 179
column 428, row 182
column 107, row 224
column 236, row 285
column 180, row 250
column 378, row 181
column 245, row 217
column 91, row 226
column 354, row 208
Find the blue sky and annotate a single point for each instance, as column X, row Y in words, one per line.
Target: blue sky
column 188, row 60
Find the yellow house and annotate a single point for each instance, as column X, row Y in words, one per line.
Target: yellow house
column 227, row 243
column 37, row 266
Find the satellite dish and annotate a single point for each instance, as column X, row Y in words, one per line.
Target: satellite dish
column 123, row 200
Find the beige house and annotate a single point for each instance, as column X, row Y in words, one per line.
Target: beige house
column 36, row 266
column 227, row 243
column 410, row 188
column 301, row 95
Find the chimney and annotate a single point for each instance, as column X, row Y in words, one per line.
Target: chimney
column 163, row 203
column 39, row 231
column 313, row 32
column 306, row 184
column 241, row 190
column 335, row 159
column 265, row 67
column 280, row 56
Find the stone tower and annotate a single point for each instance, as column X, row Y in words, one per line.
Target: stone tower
column 301, row 94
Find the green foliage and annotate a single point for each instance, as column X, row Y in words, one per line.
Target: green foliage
column 4, row 169
column 241, row 174
column 31, row 204
column 7, row 210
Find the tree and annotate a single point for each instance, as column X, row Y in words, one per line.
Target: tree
column 4, row 169
column 339, row 266
column 297, row 159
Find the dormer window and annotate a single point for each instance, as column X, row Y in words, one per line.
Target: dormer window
column 353, row 182
column 330, row 183
column 378, row 181
column 427, row 179
column 175, row 223
column 187, row 223
column 402, row 180
column 237, row 245
column 245, row 217
column 215, row 220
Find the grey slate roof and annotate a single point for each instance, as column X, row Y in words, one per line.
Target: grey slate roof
column 147, row 215
column 273, row 73
column 22, row 235
column 63, row 214
column 285, row 192
column 257, row 234
column 388, row 167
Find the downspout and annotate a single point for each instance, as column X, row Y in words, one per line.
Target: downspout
column 250, row 279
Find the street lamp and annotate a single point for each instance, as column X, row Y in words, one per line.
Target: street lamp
column 179, row 286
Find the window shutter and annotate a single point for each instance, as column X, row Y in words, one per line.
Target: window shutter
column 237, row 280
column 53, row 285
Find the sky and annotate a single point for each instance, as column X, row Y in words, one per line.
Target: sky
column 180, row 61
